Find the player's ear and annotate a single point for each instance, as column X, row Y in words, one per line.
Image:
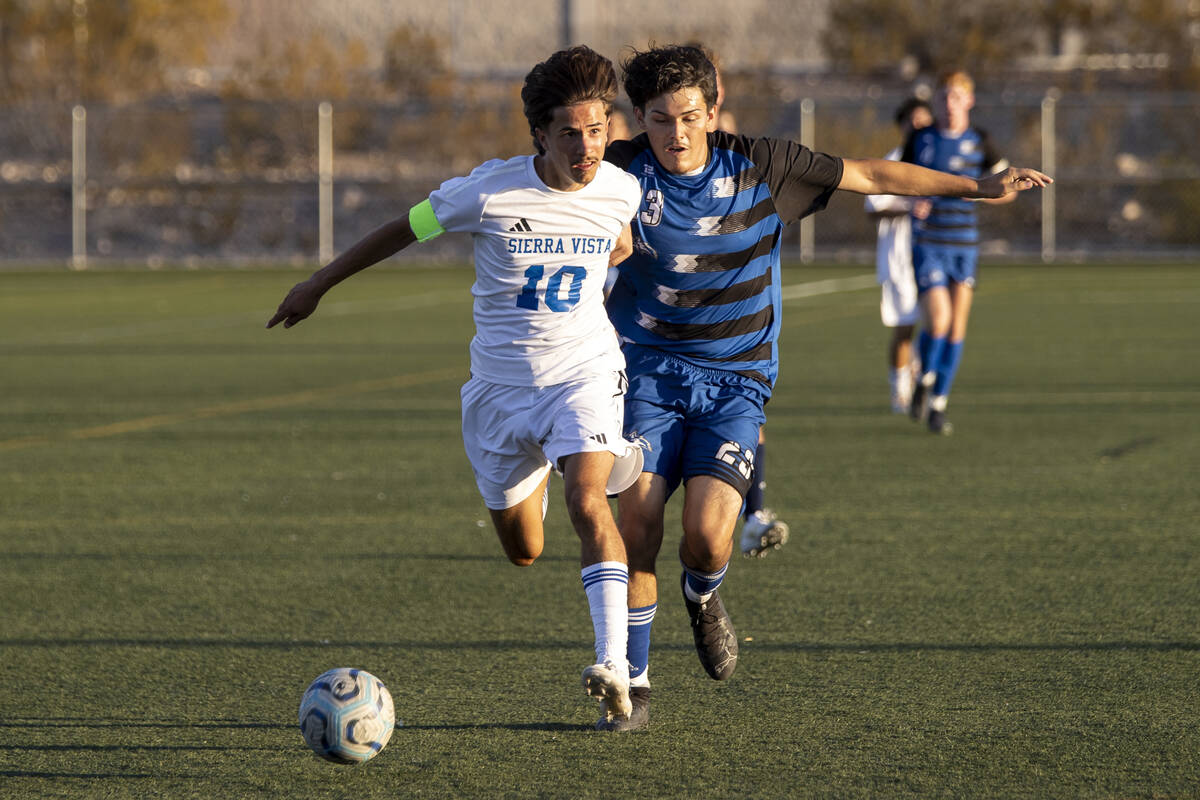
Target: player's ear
column 540, row 139
column 640, row 115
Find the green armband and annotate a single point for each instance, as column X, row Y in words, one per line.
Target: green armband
column 424, row 222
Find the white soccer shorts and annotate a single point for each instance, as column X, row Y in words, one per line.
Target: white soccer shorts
column 514, row 435
column 898, row 302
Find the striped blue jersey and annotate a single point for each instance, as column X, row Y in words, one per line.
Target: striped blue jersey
column 952, row 222
column 703, row 282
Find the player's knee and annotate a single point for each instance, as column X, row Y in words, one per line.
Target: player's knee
column 522, row 556
column 585, row 504
column 706, row 549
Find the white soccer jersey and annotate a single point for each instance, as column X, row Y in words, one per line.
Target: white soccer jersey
column 541, row 257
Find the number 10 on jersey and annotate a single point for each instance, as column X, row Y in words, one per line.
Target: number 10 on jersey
column 553, row 294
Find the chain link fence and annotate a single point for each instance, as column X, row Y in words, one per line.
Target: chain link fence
column 219, row 181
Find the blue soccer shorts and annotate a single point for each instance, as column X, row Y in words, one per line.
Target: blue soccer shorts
column 694, row 421
column 941, row 265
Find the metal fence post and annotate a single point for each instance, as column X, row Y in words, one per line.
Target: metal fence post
column 1049, row 166
column 78, row 188
column 807, row 138
column 325, row 182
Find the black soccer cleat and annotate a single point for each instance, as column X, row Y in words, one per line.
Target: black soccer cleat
column 938, row 424
column 916, row 406
column 716, row 642
column 639, row 718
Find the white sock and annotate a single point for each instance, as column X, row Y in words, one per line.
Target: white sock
column 607, row 587
column 901, row 381
column 938, row 402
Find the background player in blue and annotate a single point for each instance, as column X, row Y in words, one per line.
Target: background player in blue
column 946, row 243
column 697, row 306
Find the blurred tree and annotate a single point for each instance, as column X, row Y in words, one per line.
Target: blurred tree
column 874, row 36
column 414, row 66
column 879, row 36
column 309, row 69
column 106, row 50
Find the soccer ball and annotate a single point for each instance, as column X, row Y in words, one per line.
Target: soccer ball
column 347, row 716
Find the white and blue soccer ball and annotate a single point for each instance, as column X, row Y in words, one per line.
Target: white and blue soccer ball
column 347, row 715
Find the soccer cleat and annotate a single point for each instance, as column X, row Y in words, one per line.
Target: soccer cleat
column 639, row 717
column 939, row 424
column 712, row 630
column 763, row 532
column 918, row 407
column 611, row 688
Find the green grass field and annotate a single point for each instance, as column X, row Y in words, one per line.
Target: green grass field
column 199, row 516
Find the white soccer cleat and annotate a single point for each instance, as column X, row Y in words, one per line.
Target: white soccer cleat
column 611, row 688
column 762, row 533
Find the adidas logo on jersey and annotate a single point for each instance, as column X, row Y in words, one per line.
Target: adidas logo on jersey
column 599, row 437
column 521, row 227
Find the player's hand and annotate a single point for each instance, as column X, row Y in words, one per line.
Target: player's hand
column 299, row 304
column 921, row 208
column 1011, row 180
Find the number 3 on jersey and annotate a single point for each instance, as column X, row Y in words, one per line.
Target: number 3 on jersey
column 553, row 295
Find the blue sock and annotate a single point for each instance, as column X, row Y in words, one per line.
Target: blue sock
column 699, row 585
column 924, row 341
column 937, row 346
column 640, row 620
column 758, row 481
column 947, row 369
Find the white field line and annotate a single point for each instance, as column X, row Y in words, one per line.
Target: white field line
column 830, row 286
column 240, row 407
column 257, row 318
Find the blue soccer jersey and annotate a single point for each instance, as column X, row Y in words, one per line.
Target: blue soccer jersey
column 952, row 221
column 703, row 282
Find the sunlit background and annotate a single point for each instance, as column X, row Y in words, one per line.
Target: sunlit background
column 191, row 131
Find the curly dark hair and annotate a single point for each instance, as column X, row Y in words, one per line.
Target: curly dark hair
column 667, row 69
column 575, row 75
column 908, row 107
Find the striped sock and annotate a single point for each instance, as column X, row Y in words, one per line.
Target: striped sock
column 607, row 587
column 699, row 586
column 640, row 620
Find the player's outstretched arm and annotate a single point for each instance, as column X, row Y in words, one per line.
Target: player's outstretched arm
column 880, row 176
column 377, row 245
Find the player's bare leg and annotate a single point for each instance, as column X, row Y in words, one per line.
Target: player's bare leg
column 605, row 574
column 710, row 513
column 520, row 527
column 640, row 511
column 900, row 370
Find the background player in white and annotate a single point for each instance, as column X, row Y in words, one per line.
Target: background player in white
column 546, row 369
column 898, row 305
